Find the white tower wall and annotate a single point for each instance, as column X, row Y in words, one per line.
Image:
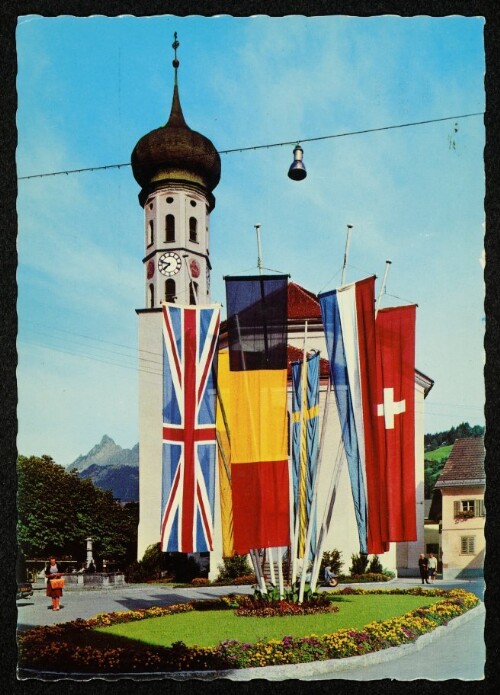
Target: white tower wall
column 150, row 429
column 185, row 202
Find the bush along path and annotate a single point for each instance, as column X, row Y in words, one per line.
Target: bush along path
column 72, row 647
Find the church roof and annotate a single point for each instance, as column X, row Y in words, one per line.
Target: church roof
column 465, row 466
column 302, row 304
column 174, row 151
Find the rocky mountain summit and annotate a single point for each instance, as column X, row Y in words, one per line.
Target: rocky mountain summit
column 106, row 453
column 111, row 467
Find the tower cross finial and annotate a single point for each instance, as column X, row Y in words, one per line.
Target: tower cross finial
column 175, row 62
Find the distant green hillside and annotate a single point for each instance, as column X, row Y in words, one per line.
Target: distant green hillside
column 433, row 441
column 438, row 454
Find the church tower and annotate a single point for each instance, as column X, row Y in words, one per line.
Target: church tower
column 177, row 169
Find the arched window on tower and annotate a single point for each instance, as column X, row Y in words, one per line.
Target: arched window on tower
column 151, row 233
column 170, row 290
column 193, row 229
column 193, row 292
column 151, row 296
column 169, row 228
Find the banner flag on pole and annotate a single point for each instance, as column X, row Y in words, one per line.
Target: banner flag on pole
column 190, row 336
column 257, row 337
column 395, row 328
column 223, row 426
column 305, row 433
column 348, row 315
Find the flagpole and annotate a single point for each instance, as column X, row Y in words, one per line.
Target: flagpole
column 319, row 466
column 327, row 516
column 272, row 574
column 258, row 573
column 382, row 289
column 280, row 572
column 295, row 540
column 346, row 252
column 259, row 248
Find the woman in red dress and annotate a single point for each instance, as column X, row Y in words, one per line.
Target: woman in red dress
column 52, row 571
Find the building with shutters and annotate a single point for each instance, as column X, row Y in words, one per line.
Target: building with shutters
column 461, row 488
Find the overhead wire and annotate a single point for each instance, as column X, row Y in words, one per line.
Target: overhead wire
column 431, row 407
column 268, row 146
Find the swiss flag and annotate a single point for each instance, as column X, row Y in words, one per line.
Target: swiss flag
column 395, row 413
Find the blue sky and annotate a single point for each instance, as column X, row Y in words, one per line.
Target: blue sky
column 89, row 88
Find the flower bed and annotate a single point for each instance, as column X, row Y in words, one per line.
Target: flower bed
column 366, row 577
column 245, row 579
column 58, row 647
column 251, row 607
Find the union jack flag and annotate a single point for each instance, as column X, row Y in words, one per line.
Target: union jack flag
column 190, row 337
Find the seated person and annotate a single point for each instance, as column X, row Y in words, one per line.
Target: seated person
column 329, row 575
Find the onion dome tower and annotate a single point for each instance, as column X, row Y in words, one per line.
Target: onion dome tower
column 177, row 169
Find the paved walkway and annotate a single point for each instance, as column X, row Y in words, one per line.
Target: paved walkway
column 457, row 653
column 85, row 603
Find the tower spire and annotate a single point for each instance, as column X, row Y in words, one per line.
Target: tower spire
column 176, row 117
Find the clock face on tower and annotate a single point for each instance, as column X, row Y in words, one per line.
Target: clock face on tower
column 169, row 263
column 150, row 270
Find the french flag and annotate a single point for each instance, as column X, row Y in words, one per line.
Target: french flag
column 348, row 315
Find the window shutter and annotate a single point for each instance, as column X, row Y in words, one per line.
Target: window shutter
column 467, row 545
column 457, row 506
column 479, row 508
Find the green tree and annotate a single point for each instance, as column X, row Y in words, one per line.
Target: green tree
column 375, row 565
column 333, row 559
column 359, row 563
column 437, row 439
column 57, row 511
column 432, row 471
column 233, row 567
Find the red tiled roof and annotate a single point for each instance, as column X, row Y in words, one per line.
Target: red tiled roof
column 295, row 354
column 465, row 465
column 302, row 304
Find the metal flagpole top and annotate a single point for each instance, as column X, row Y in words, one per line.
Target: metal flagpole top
column 382, row 289
column 259, row 248
column 346, row 252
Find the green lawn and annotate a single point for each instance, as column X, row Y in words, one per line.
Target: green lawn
column 208, row 628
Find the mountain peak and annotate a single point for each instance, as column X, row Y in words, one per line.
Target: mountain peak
column 106, row 453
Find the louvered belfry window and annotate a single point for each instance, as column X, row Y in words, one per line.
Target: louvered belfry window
column 169, row 228
column 170, row 290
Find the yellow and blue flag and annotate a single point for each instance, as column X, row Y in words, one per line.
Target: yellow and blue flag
column 305, row 437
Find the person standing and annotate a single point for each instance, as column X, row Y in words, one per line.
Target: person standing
column 52, row 571
column 423, row 567
column 432, row 567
